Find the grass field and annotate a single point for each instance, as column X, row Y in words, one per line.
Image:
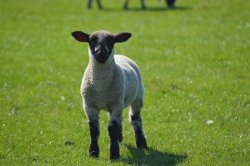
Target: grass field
column 195, row 61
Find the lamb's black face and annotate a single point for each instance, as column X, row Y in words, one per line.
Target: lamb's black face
column 101, row 45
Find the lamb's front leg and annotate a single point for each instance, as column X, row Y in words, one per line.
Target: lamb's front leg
column 93, row 116
column 115, row 133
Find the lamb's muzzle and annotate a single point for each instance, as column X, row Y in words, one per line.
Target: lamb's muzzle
column 111, row 82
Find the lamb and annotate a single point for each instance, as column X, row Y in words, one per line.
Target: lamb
column 111, row 82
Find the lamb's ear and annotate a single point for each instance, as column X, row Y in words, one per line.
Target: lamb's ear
column 80, row 36
column 122, row 37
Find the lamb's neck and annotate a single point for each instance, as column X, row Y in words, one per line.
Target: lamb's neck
column 102, row 75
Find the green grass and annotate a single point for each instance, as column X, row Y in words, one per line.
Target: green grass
column 194, row 60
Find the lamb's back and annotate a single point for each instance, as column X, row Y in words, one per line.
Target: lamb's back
column 132, row 78
column 127, row 65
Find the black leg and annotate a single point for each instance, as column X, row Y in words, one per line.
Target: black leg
column 114, row 145
column 89, row 4
column 143, row 5
column 99, row 4
column 170, row 3
column 94, row 134
column 126, row 5
column 138, row 130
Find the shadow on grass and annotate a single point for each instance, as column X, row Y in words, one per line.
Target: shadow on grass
column 151, row 157
column 154, row 9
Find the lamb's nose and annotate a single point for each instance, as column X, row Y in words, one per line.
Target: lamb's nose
column 100, row 50
column 97, row 50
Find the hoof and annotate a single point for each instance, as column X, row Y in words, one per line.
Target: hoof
column 94, row 151
column 94, row 154
column 114, row 152
column 141, row 144
column 114, row 157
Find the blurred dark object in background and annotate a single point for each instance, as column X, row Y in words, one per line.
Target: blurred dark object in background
column 127, row 1
column 98, row 3
column 170, row 4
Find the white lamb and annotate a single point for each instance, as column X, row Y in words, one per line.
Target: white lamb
column 111, row 82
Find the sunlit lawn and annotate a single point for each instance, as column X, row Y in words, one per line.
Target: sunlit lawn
column 195, row 64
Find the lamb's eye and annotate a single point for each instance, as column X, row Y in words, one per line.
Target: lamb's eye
column 110, row 40
column 93, row 41
column 92, row 44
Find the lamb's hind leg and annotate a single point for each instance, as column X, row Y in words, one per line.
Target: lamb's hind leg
column 136, row 121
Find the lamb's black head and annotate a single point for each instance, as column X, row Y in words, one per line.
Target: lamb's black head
column 101, row 43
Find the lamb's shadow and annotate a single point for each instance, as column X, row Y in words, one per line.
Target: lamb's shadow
column 152, row 157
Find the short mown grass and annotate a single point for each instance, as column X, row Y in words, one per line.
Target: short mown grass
column 195, row 64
